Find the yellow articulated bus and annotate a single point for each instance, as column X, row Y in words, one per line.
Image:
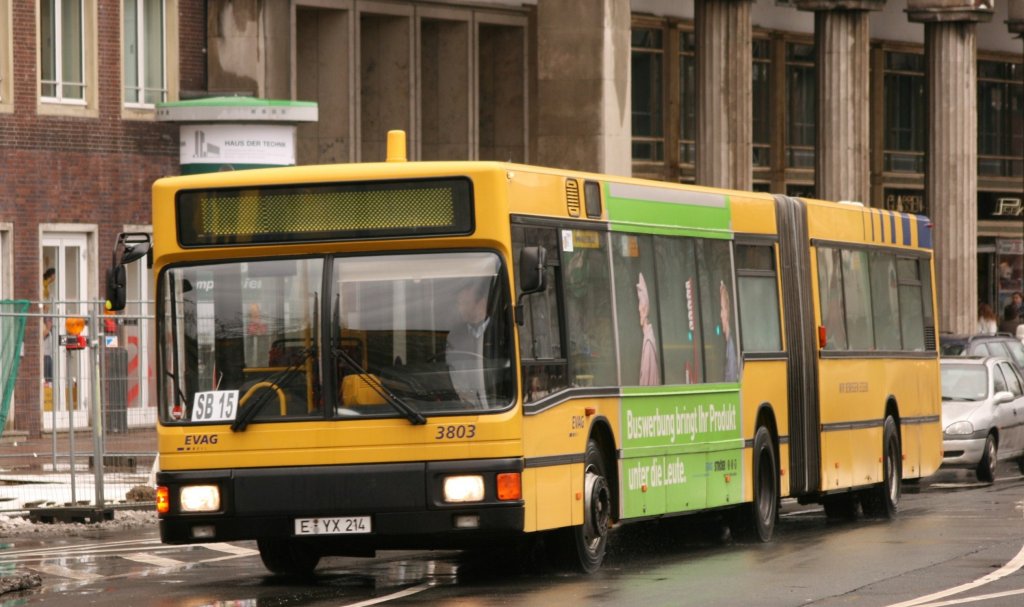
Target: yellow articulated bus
column 456, row 354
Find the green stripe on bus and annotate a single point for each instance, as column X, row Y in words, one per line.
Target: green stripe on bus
column 682, row 448
column 658, row 210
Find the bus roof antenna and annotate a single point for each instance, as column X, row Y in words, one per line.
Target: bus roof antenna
column 396, row 146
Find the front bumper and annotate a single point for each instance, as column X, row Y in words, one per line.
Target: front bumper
column 404, row 503
column 962, row 452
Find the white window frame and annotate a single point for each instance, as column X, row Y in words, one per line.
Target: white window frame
column 6, row 288
column 63, row 236
column 142, row 111
column 138, row 341
column 140, row 88
column 58, row 50
column 6, row 62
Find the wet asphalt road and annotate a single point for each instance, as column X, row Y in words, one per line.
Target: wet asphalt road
column 957, row 540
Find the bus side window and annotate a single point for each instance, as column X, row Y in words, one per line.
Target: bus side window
column 544, row 366
column 638, row 310
column 830, row 294
column 757, row 282
column 588, row 293
column 717, row 311
column 681, row 332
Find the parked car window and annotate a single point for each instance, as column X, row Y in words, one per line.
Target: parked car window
column 1012, row 380
column 996, row 348
column 1017, row 352
column 998, row 381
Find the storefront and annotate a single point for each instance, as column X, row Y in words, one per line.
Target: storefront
column 1000, row 247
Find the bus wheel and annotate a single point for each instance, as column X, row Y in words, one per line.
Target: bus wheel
column 883, row 501
column 986, row 471
column 756, row 521
column 583, row 547
column 286, row 557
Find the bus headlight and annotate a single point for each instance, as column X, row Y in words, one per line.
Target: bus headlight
column 458, row 489
column 200, row 498
column 960, row 428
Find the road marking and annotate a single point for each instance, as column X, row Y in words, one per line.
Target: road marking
column 84, row 576
column 1016, row 563
column 974, row 599
column 152, row 559
column 393, row 596
column 63, row 550
column 231, row 549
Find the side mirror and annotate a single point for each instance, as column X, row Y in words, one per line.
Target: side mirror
column 531, row 276
column 116, row 288
column 1002, row 397
column 531, row 270
column 130, row 246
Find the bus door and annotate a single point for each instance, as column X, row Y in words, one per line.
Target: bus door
column 801, row 333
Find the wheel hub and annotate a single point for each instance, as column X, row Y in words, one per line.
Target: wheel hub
column 596, row 506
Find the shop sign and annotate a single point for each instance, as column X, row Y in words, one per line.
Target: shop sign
column 238, row 144
column 1000, row 206
column 905, row 201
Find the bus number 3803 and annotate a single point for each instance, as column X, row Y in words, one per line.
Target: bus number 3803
column 455, row 432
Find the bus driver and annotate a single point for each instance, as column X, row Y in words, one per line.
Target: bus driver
column 466, row 341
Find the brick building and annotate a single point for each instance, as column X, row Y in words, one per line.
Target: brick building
column 79, row 147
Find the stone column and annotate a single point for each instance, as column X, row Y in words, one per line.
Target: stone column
column 583, row 103
column 843, row 49
column 951, row 171
column 724, row 94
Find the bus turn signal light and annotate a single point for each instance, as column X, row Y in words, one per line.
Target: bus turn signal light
column 821, row 338
column 163, row 504
column 510, row 486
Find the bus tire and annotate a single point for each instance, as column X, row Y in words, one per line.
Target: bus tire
column 286, row 557
column 756, row 521
column 583, row 547
column 883, row 501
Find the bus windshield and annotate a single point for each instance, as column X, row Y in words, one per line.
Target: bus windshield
column 433, row 329
column 409, row 335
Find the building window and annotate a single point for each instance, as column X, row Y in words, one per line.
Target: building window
column 800, row 105
column 762, row 102
column 454, row 79
column 905, row 110
column 1000, row 119
column 144, row 52
column 62, row 59
column 664, row 97
column 5, row 57
column 687, row 98
column 647, row 65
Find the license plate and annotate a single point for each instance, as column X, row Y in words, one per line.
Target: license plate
column 332, row 525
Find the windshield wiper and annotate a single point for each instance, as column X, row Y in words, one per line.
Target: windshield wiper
column 414, row 416
column 248, row 412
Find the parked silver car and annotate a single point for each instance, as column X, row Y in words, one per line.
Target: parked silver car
column 982, row 414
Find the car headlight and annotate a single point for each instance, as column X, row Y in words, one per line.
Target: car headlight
column 458, row 489
column 200, row 498
column 959, row 428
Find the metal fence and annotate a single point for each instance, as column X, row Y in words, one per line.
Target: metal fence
column 80, row 431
